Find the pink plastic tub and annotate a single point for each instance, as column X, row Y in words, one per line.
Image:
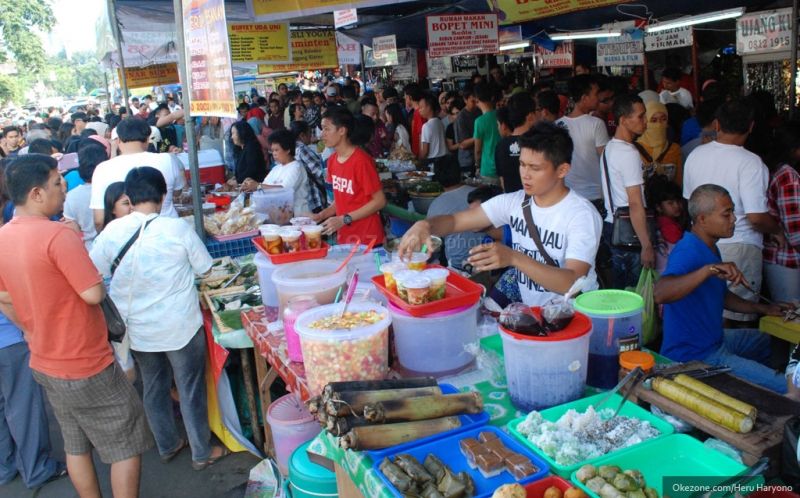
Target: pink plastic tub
column 292, row 425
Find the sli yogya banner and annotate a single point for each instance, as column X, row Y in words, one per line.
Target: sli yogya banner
column 462, row 34
column 208, row 56
column 312, row 49
column 276, row 10
column 155, row 75
column 562, row 56
column 262, row 43
column 768, row 31
column 515, row 11
column 347, row 49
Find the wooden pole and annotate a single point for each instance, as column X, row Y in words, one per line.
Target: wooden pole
column 112, row 19
column 793, row 64
column 695, row 68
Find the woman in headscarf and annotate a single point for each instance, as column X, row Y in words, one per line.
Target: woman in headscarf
column 659, row 154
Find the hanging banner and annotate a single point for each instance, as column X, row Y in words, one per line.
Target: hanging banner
column 263, row 43
column 384, row 50
column 465, row 65
column 625, row 50
column 515, row 11
column 312, row 49
column 406, row 69
column 155, row 75
column 346, row 17
column 461, row 34
column 768, row 31
column 347, row 49
column 562, row 56
column 439, row 68
column 141, row 48
column 209, row 58
column 276, row 10
column 669, row 38
column 509, row 34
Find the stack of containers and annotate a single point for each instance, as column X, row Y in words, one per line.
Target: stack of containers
column 291, row 425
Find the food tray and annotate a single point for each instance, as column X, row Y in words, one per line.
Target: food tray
column 224, row 329
column 291, row 257
column 629, row 409
column 536, row 489
column 236, row 236
column 675, row 455
column 467, row 422
column 448, row 451
column 460, row 292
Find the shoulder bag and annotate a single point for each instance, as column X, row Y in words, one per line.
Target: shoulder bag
column 533, row 231
column 623, row 234
column 114, row 322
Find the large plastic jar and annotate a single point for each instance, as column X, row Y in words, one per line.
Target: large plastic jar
column 269, row 294
column 617, row 323
column 359, row 353
column 291, row 425
column 276, row 203
column 313, row 278
column 308, row 479
column 434, row 345
column 547, row 371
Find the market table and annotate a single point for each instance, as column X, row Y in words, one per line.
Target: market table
column 775, row 326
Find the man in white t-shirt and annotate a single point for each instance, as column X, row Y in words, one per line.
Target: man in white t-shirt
column 621, row 172
column 589, row 136
column 673, row 92
column 432, row 143
column 725, row 162
column 568, row 225
column 134, row 134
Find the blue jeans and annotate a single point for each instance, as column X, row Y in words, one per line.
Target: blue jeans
column 626, row 264
column 187, row 366
column 24, row 434
column 747, row 352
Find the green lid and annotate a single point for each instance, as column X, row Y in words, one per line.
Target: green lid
column 608, row 302
column 309, row 479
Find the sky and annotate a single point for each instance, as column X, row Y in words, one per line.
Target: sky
column 75, row 25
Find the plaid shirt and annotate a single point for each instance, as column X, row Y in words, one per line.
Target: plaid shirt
column 783, row 197
column 313, row 163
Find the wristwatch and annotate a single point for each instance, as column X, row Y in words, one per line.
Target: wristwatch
column 347, row 219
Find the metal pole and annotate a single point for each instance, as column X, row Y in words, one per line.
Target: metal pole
column 108, row 92
column 194, row 167
column 793, row 64
column 695, row 69
column 112, row 18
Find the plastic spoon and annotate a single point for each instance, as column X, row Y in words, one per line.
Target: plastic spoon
column 348, row 258
column 351, row 290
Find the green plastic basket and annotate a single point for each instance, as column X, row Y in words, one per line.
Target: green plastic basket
column 630, row 409
column 677, row 455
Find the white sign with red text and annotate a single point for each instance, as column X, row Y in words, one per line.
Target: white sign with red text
column 348, row 50
column 462, row 34
column 345, row 17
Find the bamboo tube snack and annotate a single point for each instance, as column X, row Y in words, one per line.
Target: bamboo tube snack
column 423, row 408
column 704, row 406
column 353, row 402
column 374, row 437
column 716, row 395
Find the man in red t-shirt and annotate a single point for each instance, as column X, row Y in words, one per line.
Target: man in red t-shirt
column 53, row 290
column 413, row 93
column 260, row 111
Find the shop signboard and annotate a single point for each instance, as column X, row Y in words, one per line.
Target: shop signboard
column 669, row 38
column 141, row 48
column 460, row 34
column 384, row 50
column 516, row 11
column 155, row 75
column 262, row 43
column 276, row 10
column 370, row 61
column 347, row 49
column 562, row 56
column 625, row 50
column 465, row 65
column 406, row 68
column 760, row 32
column 509, row 34
column 439, row 68
column 344, row 17
column 208, row 56
column 312, row 49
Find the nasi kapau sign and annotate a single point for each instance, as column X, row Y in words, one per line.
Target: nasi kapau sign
column 460, row 34
column 625, row 50
column 769, row 31
column 155, row 75
column 276, row 10
column 669, row 38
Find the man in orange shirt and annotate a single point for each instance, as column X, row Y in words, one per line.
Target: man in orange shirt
column 52, row 289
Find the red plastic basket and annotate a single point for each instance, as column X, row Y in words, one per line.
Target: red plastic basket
column 291, row 257
column 460, row 292
column 536, row 489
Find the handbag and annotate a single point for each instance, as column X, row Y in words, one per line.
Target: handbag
column 623, row 234
column 114, row 321
column 533, row 231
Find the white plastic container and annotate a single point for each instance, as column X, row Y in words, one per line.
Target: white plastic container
column 314, row 278
column 291, row 425
column 360, row 353
column 269, row 294
column 547, row 371
column 277, row 204
column 434, row 345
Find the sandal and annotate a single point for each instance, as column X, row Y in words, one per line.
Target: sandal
column 211, row 461
column 182, row 443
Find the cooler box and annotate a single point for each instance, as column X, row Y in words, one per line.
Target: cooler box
column 212, row 167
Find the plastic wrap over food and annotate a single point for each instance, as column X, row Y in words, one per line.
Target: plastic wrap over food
column 557, row 313
column 519, row 318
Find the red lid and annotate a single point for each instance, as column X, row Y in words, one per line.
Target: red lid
column 579, row 326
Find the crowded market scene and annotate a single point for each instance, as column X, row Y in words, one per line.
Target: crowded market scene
column 398, row 248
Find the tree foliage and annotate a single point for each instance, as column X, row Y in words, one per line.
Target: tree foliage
column 19, row 21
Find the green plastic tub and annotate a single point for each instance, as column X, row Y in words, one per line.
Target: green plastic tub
column 309, row 480
column 677, row 455
column 630, row 409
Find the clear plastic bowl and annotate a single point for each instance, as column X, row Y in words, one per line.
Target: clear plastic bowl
column 314, row 278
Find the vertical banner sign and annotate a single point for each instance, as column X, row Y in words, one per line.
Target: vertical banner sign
column 347, row 49
column 263, row 43
column 384, row 50
column 209, row 58
column 625, row 50
column 276, row 10
column 462, row 34
column 562, row 56
column 759, row 32
column 346, row 17
column 312, row 49
column 515, row 11
column 669, row 38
